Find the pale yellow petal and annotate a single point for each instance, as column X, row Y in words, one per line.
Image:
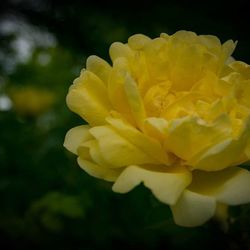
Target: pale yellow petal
column 88, row 98
column 166, row 186
column 135, row 100
column 207, row 85
column 227, row 49
column 242, row 68
column 138, row 41
column 156, row 128
column 211, row 42
column 189, row 135
column 99, row 67
column 219, row 156
column 193, row 209
column 76, row 136
column 116, row 90
column 98, row 171
column 95, row 153
column 116, row 149
column 226, row 153
column 158, row 65
column 229, row 186
column 118, row 50
column 145, row 143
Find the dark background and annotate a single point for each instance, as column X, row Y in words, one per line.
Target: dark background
column 46, row 200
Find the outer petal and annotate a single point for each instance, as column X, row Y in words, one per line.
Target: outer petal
column 227, row 49
column 230, row 186
column 212, row 43
column 98, row 171
column 95, row 153
column 242, row 68
column 118, row 49
column 88, row 98
column 116, row 90
column 116, row 149
column 146, row 144
column 193, row 209
column 138, row 41
column 154, row 50
column 166, row 186
column 76, row 136
column 99, row 67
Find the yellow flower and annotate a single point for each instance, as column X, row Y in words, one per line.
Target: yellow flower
column 172, row 113
column 30, row 100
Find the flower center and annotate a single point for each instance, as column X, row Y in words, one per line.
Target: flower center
column 158, row 98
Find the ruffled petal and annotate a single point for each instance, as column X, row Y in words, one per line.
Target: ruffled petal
column 138, row 41
column 242, row 68
column 135, row 100
column 95, row 153
column 146, row 144
column 99, row 67
column 156, row 128
column 227, row 49
column 229, row 186
column 88, row 98
column 225, row 153
column 189, row 135
column 166, row 186
column 117, row 150
column 76, row 136
column 193, row 209
column 98, row 171
column 116, row 89
column 118, row 49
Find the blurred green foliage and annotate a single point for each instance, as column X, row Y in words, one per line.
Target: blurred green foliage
column 47, row 201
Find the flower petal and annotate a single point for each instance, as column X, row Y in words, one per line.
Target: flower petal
column 156, row 127
column 117, row 150
column 224, row 154
column 218, row 157
column 138, row 41
column 193, row 209
column 135, row 100
column 166, row 186
column 146, row 144
column 98, row 171
column 99, row 67
column 242, row 68
column 229, row 186
column 88, row 98
column 95, row 153
column 227, row 49
column 189, row 135
column 116, row 90
column 118, row 49
column 76, row 136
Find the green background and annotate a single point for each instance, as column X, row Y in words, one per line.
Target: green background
column 46, row 200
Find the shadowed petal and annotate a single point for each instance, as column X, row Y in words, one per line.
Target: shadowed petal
column 76, row 136
column 166, row 186
column 230, row 186
column 193, row 209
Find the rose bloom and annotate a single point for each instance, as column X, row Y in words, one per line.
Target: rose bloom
column 31, row 101
column 172, row 113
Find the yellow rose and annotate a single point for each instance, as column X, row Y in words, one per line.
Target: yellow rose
column 172, row 113
column 31, row 101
